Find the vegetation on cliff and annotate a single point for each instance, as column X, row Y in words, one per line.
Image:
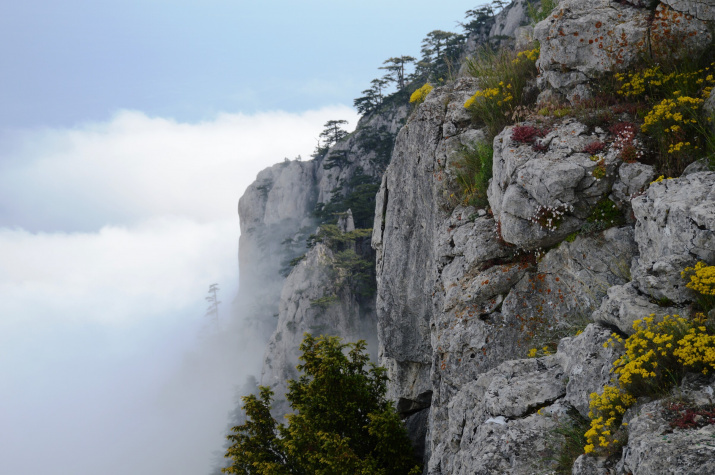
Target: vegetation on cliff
column 342, row 422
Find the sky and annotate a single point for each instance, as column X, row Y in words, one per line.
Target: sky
column 128, row 131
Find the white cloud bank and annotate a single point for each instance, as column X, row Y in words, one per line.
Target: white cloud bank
column 110, row 234
column 135, row 167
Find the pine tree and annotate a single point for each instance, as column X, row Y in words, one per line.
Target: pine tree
column 396, row 69
column 341, row 423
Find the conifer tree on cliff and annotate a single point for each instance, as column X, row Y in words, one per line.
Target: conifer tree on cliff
column 341, row 423
column 396, row 69
column 333, row 132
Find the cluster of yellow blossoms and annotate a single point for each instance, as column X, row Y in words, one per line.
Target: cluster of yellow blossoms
column 500, row 95
column 531, row 55
column 535, row 352
column 702, row 278
column 672, row 110
column 654, row 81
column 655, row 356
column 420, row 94
column 606, row 412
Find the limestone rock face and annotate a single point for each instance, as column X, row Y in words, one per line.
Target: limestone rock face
column 407, row 211
column 625, row 304
column 276, row 216
column 580, row 41
column 632, row 180
column 530, row 192
column 675, row 228
column 700, row 9
column 587, row 365
column 272, row 209
column 493, row 425
column 654, row 446
column 510, row 19
column 312, row 279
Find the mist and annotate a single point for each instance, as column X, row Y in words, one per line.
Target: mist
column 110, row 235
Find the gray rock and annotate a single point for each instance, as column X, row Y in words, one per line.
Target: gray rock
column 588, row 465
column 587, row 364
column 653, row 447
column 493, row 424
column 581, row 41
column 702, row 165
column 527, row 185
column 416, row 425
column 675, row 228
column 313, row 278
column 510, row 19
column 633, row 178
column 700, row 9
column 709, row 109
column 625, row 304
column 407, row 209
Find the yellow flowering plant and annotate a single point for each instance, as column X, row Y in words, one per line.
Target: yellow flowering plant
column 503, row 75
column 701, row 279
column 655, row 359
column 674, row 121
column 419, row 96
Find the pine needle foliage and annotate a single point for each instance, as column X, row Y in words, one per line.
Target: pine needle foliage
column 342, row 423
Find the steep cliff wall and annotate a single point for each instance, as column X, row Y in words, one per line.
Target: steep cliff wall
column 463, row 293
column 278, row 213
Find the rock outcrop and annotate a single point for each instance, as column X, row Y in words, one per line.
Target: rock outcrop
column 582, row 41
column 493, row 323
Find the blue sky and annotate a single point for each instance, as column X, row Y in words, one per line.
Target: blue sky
column 128, row 131
column 69, row 62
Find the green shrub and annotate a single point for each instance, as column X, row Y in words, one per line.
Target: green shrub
column 569, row 440
column 472, row 173
column 341, row 421
column 503, row 76
column 673, row 118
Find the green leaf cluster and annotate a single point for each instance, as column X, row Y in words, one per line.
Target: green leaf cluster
column 342, row 422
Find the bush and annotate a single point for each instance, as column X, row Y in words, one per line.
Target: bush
column 542, row 12
column 674, row 121
column 527, row 133
column 472, row 173
column 656, row 357
column 702, row 280
column 341, row 423
column 503, row 76
column 419, row 96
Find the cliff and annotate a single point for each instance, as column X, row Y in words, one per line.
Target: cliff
column 496, row 322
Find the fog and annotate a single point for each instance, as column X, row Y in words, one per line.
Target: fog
column 110, row 235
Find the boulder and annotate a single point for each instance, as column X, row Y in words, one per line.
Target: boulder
column 587, row 364
column 540, row 198
column 675, row 228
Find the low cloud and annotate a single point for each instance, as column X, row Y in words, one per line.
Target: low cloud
column 136, row 167
column 110, row 234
